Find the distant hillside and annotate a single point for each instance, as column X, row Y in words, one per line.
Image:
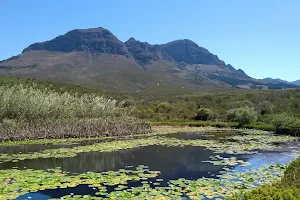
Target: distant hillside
column 97, row 59
column 296, row 82
column 279, row 81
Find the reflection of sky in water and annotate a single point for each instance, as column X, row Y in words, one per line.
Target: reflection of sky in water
column 33, row 196
column 265, row 158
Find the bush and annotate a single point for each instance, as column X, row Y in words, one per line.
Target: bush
column 292, row 174
column 286, row 124
column 271, row 192
column 287, row 189
column 204, row 114
column 245, row 103
column 244, row 115
column 266, row 107
column 164, row 107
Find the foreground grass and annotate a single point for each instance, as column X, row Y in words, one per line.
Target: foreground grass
column 33, row 113
column 287, row 189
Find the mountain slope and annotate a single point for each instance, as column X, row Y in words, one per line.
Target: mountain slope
column 98, row 59
column 296, row 82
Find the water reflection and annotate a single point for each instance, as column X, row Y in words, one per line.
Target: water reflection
column 173, row 162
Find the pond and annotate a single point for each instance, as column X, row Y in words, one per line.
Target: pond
column 180, row 165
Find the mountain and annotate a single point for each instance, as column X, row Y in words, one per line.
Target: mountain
column 94, row 40
column 296, row 82
column 96, row 58
column 274, row 80
column 278, row 81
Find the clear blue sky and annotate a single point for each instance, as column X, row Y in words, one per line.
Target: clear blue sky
column 262, row 37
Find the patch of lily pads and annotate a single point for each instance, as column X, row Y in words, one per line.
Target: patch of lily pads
column 245, row 144
column 17, row 182
column 231, row 161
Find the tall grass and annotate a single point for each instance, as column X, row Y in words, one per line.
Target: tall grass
column 32, row 113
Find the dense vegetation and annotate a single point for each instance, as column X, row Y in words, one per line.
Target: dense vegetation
column 287, row 189
column 29, row 112
column 32, row 109
column 260, row 109
column 268, row 110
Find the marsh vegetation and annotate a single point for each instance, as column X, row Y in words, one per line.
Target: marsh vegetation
column 71, row 143
column 28, row 112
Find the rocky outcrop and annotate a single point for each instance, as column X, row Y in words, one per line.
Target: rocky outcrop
column 93, row 40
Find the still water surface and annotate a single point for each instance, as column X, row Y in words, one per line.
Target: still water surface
column 173, row 162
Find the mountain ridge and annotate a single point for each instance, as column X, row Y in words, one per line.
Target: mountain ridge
column 91, row 56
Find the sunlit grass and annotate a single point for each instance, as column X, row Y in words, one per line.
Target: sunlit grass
column 31, row 113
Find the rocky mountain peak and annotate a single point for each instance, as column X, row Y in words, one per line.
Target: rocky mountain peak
column 189, row 52
column 93, row 40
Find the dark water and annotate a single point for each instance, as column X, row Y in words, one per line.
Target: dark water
column 172, row 162
column 31, row 148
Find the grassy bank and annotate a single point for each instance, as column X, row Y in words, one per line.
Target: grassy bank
column 195, row 123
column 29, row 112
column 284, row 126
column 155, row 130
column 287, row 189
column 190, row 123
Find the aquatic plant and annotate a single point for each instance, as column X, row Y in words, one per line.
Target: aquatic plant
column 17, row 182
column 231, row 161
column 247, row 144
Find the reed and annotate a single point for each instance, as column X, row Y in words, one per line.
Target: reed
column 32, row 113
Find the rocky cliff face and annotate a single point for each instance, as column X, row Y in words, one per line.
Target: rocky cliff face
column 91, row 40
column 189, row 52
column 101, row 40
column 143, row 52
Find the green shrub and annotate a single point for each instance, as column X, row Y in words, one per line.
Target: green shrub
column 286, row 124
column 271, row 193
column 292, row 174
column 287, row 189
column 266, row 107
column 245, row 103
column 204, row 114
column 164, row 107
column 244, row 115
